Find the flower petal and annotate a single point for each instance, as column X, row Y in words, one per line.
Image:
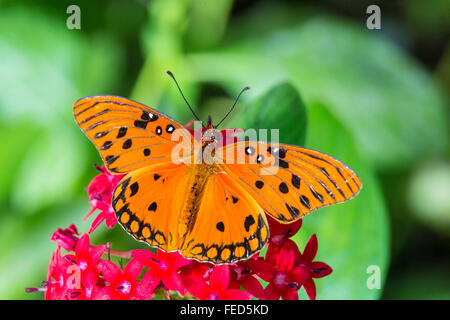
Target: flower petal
column 311, row 249
column 289, row 294
column 144, row 256
column 220, row 277
column 271, row 292
column 234, row 294
column 106, row 293
column 149, row 282
column 254, row 287
column 82, row 247
column 310, row 288
column 196, row 286
column 286, row 259
column 109, row 270
column 320, row 269
column 300, row 274
column 174, row 283
column 96, row 254
column 262, row 269
column 280, row 232
column 133, row 269
column 97, row 221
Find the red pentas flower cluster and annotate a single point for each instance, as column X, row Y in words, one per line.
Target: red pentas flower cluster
column 87, row 272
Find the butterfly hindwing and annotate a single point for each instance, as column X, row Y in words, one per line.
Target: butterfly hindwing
column 127, row 134
column 148, row 204
column 289, row 181
column 229, row 224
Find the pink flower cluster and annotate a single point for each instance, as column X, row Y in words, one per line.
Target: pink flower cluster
column 84, row 273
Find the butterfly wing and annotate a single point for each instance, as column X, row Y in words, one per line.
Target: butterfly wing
column 148, row 203
column 288, row 181
column 128, row 135
column 229, row 225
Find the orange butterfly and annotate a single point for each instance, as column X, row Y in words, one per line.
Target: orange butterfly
column 209, row 211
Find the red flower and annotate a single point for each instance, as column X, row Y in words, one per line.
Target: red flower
column 123, row 284
column 293, row 270
column 163, row 267
column 196, row 269
column 89, row 288
column 66, row 237
column 100, row 192
column 216, row 288
column 86, row 259
column 280, row 232
column 55, row 286
column 243, row 274
column 107, row 213
column 317, row 269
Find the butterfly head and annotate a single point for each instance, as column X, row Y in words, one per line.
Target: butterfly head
column 211, row 134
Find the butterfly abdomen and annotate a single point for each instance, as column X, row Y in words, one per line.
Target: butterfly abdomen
column 199, row 177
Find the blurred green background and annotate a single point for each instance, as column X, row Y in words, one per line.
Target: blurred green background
column 376, row 99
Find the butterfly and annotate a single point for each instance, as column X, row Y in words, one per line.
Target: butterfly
column 212, row 211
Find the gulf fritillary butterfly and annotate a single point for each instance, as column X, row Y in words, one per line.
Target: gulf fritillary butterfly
column 212, row 212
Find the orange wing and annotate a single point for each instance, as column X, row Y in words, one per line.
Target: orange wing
column 128, row 135
column 149, row 203
column 229, row 225
column 288, row 181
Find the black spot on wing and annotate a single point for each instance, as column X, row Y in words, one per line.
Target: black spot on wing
column 106, row 145
column 305, row 202
column 293, row 211
column 152, row 207
column 140, row 124
column 283, row 187
column 134, row 189
column 122, row 132
column 110, row 159
column 295, row 181
column 259, row 184
column 100, row 134
column 316, row 195
column 249, row 220
column 283, row 164
column 147, row 116
column 220, row 226
column 259, row 158
column 170, row 128
column 249, row 151
column 127, row 144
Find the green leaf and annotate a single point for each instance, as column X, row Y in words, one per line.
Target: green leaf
column 382, row 96
column 354, row 235
column 279, row 108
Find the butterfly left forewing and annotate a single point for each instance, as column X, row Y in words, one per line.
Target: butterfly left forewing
column 289, row 181
column 127, row 134
column 229, row 224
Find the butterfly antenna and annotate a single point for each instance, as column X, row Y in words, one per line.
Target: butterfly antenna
column 234, row 104
column 181, row 92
